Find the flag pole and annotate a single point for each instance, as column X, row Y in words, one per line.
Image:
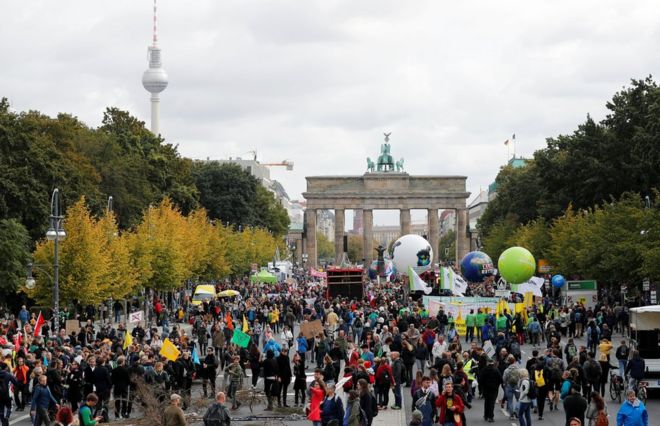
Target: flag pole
column 513, row 141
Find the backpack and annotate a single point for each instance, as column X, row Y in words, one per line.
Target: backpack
column 514, row 377
column 357, row 323
column 374, row 404
column 364, row 421
column 539, row 380
column 571, row 350
column 385, row 378
column 532, row 393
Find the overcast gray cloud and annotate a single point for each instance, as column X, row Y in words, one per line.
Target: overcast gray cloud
column 318, row 82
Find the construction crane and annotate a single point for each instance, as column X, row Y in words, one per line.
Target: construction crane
column 284, row 163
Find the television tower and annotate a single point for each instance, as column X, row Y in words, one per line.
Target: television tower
column 154, row 79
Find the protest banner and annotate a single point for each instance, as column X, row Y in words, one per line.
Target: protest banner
column 311, row 329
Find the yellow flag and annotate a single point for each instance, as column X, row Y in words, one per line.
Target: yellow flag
column 128, row 340
column 169, row 351
column 246, row 327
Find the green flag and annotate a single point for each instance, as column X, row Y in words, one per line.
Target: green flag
column 240, row 338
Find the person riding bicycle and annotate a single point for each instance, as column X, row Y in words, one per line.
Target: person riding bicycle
column 635, row 368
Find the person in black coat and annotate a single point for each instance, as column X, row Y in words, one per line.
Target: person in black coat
column 97, row 379
column 74, row 379
column 490, row 381
column 184, row 369
column 285, row 374
column 209, row 366
column 575, row 404
column 120, row 384
column 271, row 375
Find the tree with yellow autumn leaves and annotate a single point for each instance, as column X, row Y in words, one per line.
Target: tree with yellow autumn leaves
column 97, row 262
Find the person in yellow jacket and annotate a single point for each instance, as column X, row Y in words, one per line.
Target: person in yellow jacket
column 605, row 347
column 275, row 319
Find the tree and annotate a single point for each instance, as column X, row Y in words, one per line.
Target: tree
column 269, row 213
column 14, row 256
column 324, row 247
column 534, row 236
column 355, row 248
column 83, row 261
column 160, row 247
column 499, row 238
column 447, row 247
column 233, row 196
column 226, row 191
column 121, row 277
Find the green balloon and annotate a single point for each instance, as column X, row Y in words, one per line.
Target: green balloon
column 516, row 265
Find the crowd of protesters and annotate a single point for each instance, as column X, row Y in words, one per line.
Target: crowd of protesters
column 369, row 348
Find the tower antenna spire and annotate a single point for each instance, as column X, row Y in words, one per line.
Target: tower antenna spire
column 155, row 36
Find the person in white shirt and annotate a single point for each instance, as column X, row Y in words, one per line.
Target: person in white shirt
column 439, row 347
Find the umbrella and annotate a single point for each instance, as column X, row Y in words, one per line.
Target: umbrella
column 228, row 293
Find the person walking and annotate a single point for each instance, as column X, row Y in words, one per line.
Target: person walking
column 622, row 355
column 332, row 408
column 6, row 378
column 635, row 368
column 424, row 400
column 317, row 394
column 217, row 413
column 173, row 415
column 353, row 415
column 575, row 405
column 596, row 411
column 42, row 400
column 525, row 399
column 632, row 412
column 451, row 406
column 490, row 381
column 285, row 374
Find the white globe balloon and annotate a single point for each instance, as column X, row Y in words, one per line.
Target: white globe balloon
column 412, row 251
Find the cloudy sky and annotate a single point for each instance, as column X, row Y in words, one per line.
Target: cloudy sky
column 318, row 82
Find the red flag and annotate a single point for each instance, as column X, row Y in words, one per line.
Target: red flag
column 38, row 325
column 228, row 320
column 18, row 340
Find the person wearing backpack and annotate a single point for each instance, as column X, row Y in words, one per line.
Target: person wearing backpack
column 384, row 380
column 332, row 407
column 354, row 415
column 424, row 400
column 511, row 377
column 217, row 414
column 542, row 386
column 526, row 393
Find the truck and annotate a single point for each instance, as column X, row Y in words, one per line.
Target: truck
column 645, row 337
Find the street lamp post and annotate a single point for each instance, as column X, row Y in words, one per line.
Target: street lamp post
column 56, row 233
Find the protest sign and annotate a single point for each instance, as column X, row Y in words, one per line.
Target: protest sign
column 311, row 329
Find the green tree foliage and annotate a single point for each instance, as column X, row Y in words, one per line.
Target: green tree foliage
column 325, row 248
column 499, row 238
column 447, row 247
column 235, row 197
column 597, row 162
column 14, row 255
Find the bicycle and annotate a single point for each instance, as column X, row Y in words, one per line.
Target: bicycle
column 642, row 392
column 616, row 386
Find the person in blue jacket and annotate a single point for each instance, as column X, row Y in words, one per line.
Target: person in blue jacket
column 42, row 399
column 632, row 412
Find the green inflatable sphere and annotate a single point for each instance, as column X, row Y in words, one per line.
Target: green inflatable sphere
column 516, row 265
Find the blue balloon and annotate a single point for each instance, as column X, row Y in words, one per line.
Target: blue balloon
column 558, row 281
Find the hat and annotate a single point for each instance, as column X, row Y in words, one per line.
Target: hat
column 175, row 396
column 417, row 415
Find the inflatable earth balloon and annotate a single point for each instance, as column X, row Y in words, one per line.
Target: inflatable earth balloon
column 558, row 281
column 414, row 251
column 476, row 265
column 516, row 265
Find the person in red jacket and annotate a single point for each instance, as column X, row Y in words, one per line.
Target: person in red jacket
column 384, row 380
column 451, row 406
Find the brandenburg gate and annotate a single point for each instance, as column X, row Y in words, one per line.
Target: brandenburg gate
column 385, row 186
